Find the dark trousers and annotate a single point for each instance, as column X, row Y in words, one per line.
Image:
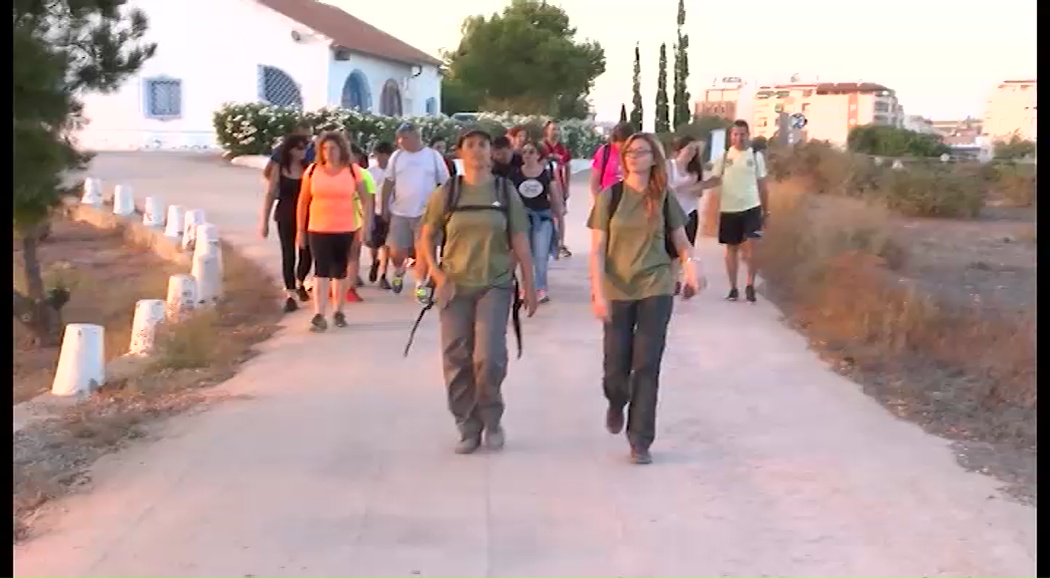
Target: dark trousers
column 295, row 262
column 474, row 352
column 635, row 337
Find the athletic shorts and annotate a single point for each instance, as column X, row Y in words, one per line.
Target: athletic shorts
column 735, row 228
column 380, row 230
column 692, row 223
column 403, row 232
column 331, row 252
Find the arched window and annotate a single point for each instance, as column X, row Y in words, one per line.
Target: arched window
column 390, row 103
column 278, row 89
column 355, row 92
column 432, row 106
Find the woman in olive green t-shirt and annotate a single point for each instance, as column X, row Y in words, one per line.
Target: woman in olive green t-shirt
column 632, row 286
column 485, row 236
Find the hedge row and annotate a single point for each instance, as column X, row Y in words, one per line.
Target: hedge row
column 255, row 128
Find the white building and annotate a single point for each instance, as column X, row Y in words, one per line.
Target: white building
column 298, row 53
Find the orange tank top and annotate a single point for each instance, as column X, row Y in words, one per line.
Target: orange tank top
column 333, row 198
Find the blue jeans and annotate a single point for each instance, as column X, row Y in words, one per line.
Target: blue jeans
column 541, row 234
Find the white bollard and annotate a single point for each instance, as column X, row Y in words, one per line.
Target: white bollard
column 82, row 360
column 148, row 314
column 208, row 241
column 153, row 212
column 123, row 202
column 92, row 192
column 209, row 277
column 182, row 297
column 194, row 217
column 176, row 221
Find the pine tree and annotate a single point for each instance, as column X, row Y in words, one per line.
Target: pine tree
column 636, row 85
column 63, row 49
column 682, row 114
column 663, row 124
column 623, row 113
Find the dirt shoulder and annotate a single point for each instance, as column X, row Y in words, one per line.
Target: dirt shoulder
column 935, row 318
column 52, row 456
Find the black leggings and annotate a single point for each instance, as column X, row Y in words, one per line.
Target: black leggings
column 294, row 270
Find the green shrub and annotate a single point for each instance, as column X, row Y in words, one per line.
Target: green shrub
column 932, row 191
column 255, row 128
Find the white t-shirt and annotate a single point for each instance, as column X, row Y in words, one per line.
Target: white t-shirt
column 740, row 171
column 378, row 174
column 415, row 176
column 679, row 180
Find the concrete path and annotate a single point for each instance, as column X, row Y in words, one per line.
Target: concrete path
column 340, row 462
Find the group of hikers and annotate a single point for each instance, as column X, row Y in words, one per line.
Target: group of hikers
column 476, row 228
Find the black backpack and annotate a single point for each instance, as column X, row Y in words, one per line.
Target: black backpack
column 614, row 202
column 502, row 205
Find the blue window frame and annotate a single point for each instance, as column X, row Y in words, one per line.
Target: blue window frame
column 162, row 98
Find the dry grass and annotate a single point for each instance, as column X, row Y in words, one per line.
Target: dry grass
column 833, row 263
column 51, row 457
column 105, row 276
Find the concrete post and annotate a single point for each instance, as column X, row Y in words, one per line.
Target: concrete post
column 148, row 314
column 209, row 278
column 81, row 361
column 194, row 217
column 92, row 192
column 182, row 297
column 176, row 221
column 123, row 202
column 153, row 212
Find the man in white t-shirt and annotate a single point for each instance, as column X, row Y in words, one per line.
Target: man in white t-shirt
column 743, row 205
column 414, row 173
column 380, row 226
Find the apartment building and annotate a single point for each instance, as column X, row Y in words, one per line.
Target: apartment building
column 963, row 132
column 919, row 123
column 831, row 109
column 721, row 101
column 1011, row 109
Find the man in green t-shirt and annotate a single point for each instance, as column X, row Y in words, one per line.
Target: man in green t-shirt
column 483, row 227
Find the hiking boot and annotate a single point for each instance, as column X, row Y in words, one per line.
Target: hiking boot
column 640, row 456
column 468, row 445
column 495, row 438
column 749, row 293
column 564, row 251
column 733, row 295
column 373, row 272
column 398, row 283
column 614, row 420
column 302, row 294
column 318, row 324
column 383, row 283
column 290, row 305
column 339, row 319
column 352, row 296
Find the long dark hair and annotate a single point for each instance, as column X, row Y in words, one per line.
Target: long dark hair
column 695, row 165
column 290, row 143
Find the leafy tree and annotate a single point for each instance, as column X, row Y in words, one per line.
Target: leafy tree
column 636, row 87
column 623, row 113
column 525, row 60
column 663, row 123
column 888, row 141
column 681, row 71
column 455, row 97
column 1013, row 148
column 62, row 49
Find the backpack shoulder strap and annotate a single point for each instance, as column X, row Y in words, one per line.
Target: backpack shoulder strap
column 310, row 170
column 452, row 188
column 615, row 194
column 606, row 151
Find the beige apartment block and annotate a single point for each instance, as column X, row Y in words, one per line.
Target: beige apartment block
column 1011, row 109
column 831, row 109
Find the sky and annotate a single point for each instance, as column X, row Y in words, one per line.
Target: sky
column 942, row 57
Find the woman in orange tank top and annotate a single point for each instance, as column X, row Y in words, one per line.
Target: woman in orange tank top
column 328, row 220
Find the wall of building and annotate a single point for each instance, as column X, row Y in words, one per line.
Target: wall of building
column 829, row 116
column 1011, row 108
column 198, row 52
column 427, row 84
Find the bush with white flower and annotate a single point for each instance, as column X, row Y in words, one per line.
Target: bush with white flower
column 254, row 128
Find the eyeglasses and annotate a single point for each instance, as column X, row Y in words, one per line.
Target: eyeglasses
column 634, row 153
